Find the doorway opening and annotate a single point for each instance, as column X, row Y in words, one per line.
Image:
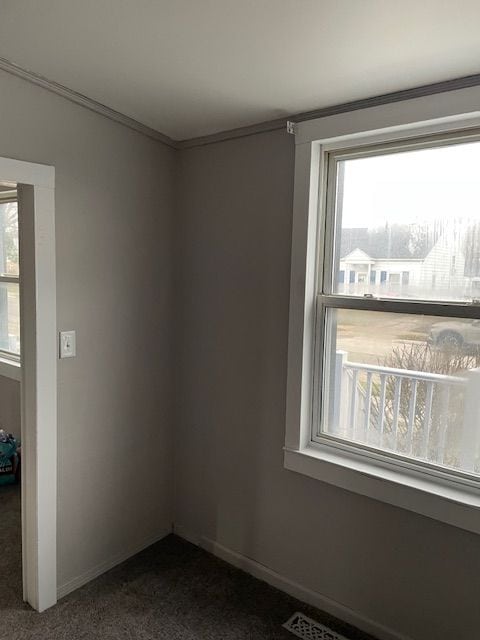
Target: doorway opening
column 10, row 401
column 28, row 355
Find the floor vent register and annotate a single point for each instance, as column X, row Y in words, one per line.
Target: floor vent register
column 304, row 627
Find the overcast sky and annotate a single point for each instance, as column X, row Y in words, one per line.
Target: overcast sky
column 413, row 186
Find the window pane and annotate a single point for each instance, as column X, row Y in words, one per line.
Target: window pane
column 402, row 383
column 413, row 219
column 9, row 318
column 9, row 239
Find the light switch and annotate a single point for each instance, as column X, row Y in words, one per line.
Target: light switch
column 67, row 344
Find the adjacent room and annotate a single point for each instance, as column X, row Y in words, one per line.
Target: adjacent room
column 239, row 319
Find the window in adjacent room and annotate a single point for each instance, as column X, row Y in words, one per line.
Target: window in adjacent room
column 9, row 275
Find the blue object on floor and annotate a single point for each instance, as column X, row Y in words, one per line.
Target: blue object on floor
column 8, row 458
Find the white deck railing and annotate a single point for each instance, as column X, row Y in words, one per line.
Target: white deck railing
column 414, row 413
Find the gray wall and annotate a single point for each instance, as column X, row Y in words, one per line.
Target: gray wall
column 114, row 206
column 114, row 190
column 413, row 574
column 10, row 406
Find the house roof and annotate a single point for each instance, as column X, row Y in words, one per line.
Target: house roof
column 399, row 242
column 358, row 256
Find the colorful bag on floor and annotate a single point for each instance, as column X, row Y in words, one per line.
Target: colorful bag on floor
column 8, row 457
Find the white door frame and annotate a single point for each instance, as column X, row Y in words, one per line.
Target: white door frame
column 36, row 195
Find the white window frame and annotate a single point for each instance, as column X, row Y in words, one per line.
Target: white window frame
column 9, row 361
column 442, row 496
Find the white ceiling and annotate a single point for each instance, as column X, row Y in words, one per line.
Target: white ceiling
column 193, row 67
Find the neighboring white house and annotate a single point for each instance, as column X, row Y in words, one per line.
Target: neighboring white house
column 438, row 269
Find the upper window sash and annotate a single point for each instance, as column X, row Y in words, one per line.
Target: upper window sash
column 331, row 166
column 418, row 139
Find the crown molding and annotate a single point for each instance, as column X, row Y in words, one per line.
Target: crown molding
column 386, row 98
column 240, row 132
column 395, row 96
column 84, row 101
column 232, row 134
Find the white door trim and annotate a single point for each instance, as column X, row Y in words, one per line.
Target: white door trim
column 36, row 189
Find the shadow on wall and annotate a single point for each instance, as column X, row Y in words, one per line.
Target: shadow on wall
column 235, row 276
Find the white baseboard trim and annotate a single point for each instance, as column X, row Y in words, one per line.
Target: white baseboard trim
column 294, row 589
column 96, row 571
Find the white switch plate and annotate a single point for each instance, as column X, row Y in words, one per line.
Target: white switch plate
column 68, row 347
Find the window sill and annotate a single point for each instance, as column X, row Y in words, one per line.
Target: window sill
column 10, row 369
column 449, row 502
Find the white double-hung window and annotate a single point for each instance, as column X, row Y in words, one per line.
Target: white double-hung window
column 383, row 394
column 9, row 276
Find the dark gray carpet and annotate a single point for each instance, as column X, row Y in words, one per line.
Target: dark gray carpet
column 10, row 549
column 171, row 591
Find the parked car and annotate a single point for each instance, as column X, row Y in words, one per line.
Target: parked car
column 456, row 334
